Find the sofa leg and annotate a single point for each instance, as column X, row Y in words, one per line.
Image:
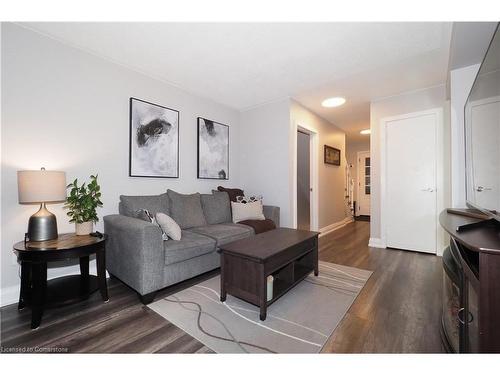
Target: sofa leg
column 146, row 299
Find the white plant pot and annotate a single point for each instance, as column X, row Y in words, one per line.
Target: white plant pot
column 83, row 229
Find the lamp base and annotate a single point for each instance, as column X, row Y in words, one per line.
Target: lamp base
column 42, row 225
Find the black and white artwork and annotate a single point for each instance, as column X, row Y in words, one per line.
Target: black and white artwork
column 213, row 150
column 154, row 140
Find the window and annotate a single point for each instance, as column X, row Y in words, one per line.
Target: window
column 367, row 176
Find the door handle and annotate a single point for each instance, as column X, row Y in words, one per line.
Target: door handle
column 482, row 188
column 429, row 190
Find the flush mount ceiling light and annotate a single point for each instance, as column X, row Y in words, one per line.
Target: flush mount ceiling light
column 333, row 102
column 366, row 131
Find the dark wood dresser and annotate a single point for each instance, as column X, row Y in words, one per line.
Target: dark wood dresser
column 477, row 250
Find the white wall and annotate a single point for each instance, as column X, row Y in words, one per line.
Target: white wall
column 434, row 97
column 353, row 147
column 65, row 109
column 461, row 81
column 266, row 159
column 331, row 178
column 264, row 155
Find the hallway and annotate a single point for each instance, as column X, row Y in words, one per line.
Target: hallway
column 399, row 309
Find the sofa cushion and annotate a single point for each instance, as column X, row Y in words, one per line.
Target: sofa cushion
column 190, row 246
column 186, row 209
column 224, row 233
column 129, row 204
column 216, row 207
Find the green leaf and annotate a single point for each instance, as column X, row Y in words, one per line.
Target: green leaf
column 83, row 201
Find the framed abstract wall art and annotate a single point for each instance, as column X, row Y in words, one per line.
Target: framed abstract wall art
column 154, row 140
column 213, row 150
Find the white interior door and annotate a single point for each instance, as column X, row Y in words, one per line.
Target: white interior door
column 364, row 183
column 485, row 141
column 411, row 184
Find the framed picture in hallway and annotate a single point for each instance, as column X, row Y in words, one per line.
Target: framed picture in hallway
column 154, row 140
column 332, row 155
column 213, row 150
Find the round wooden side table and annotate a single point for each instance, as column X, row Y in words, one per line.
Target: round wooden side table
column 39, row 293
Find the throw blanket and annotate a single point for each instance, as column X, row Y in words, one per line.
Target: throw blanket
column 260, row 226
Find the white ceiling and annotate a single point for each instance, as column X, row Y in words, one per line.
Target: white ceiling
column 247, row 64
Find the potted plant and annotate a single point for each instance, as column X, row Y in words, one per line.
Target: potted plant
column 82, row 204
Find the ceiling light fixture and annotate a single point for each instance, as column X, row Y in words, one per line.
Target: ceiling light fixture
column 365, row 131
column 333, row 102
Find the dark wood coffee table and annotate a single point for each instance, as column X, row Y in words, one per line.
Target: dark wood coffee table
column 287, row 254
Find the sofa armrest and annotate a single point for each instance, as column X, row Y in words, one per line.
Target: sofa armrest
column 134, row 252
column 273, row 213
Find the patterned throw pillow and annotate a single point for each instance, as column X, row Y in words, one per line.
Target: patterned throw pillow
column 145, row 215
column 251, row 199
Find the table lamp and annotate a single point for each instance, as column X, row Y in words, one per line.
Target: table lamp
column 41, row 187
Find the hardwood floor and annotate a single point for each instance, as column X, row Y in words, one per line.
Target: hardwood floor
column 398, row 310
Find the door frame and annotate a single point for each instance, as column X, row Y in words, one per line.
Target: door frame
column 358, row 188
column 438, row 112
column 313, row 163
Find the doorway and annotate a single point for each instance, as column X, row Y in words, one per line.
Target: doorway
column 300, row 134
column 364, row 184
column 303, row 181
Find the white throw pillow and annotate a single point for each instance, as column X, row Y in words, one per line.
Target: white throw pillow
column 247, row 211
column 169, row 226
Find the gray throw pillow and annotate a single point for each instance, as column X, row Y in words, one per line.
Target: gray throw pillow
column 216, row 207
column 129, row 204
column 186, row 209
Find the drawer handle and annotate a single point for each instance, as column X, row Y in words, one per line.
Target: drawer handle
column 471, row 318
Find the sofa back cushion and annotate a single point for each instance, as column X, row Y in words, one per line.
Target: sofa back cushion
column 216, row 207
column 186, row 209
column 129, row 204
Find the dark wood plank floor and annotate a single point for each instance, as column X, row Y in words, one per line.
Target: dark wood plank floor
column 397, row 311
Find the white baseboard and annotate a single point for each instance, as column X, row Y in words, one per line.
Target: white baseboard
column 376, row 242
column 10, row 294
column 332, row 227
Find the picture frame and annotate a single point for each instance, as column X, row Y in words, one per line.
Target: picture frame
column 331, row 155
column 153, row 140
column 213, row 150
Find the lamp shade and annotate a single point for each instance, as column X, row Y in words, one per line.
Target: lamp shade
column 41, row 186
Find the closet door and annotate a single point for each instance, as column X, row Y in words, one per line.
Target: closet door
column 411, row 198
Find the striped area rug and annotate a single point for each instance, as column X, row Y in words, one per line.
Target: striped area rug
column 299, row 322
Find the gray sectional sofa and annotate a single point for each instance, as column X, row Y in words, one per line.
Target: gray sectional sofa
column 137, row 255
